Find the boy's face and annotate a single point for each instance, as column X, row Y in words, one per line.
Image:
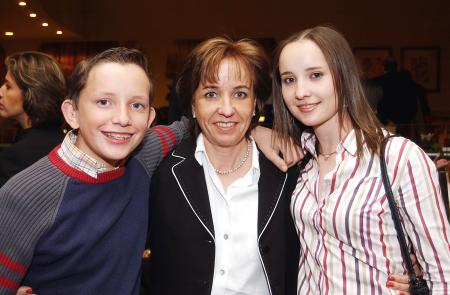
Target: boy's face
column 113, row 112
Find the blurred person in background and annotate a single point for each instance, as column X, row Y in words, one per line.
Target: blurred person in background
column 31, row 95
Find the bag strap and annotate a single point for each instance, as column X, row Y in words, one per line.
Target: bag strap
column 395, row 212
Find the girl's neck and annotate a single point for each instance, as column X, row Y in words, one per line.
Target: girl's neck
column 331, row 133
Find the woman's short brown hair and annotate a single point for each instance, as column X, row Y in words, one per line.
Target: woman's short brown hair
column 203, row 66
column 43, row 84
column 352, row 101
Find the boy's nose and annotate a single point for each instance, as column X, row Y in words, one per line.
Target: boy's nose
column 122, row 117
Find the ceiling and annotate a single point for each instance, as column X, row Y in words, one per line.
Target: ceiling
column 15, row 18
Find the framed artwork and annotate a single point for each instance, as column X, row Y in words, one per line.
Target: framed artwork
column 423, row 64
column 371, row 60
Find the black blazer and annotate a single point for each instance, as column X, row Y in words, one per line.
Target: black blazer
column 29, row 146
column 181, row 232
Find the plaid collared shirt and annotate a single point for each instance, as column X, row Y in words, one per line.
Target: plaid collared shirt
column 79, row 160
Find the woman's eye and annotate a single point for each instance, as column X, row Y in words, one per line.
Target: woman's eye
column 211, row 94
column 316, row 75
column 241, row 94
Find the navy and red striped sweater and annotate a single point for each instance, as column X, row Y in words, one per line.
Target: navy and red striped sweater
column 64, row 232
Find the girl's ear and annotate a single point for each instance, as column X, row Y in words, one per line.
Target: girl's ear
column 70, row 113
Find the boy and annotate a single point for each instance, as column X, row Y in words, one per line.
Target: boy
column 75, row 221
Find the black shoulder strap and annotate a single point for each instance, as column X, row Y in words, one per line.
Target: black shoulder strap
column 395, row 212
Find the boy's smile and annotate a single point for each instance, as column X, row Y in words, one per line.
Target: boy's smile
column 113, row 112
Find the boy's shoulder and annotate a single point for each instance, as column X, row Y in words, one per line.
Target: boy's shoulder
column 38, row 183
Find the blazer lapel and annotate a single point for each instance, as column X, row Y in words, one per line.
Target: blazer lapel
column 271, row 185
column 191, row 179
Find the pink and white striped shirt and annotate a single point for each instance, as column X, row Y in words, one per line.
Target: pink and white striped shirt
column 348, row 241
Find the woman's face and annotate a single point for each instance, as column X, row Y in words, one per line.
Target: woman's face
column 11, row 99
column 307, row 84
column 224, row 109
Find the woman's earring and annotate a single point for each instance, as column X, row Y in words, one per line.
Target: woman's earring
column 254, row 113
column 193, row 113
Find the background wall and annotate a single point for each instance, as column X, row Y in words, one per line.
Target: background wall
column 155, row 24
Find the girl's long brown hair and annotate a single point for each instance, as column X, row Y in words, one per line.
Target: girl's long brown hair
column 352, row 101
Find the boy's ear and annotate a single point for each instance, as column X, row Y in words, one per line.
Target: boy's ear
column 70, row 113
column 151, row 117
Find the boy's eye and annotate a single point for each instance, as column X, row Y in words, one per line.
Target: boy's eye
column 103, row 102
column 288, row 80
column 316, row 75
column 211, row 94
column 137, row 106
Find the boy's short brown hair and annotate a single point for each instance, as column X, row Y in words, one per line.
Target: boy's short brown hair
column 120, row 55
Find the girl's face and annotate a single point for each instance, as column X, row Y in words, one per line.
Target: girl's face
column 11, row 99
column 307, row 85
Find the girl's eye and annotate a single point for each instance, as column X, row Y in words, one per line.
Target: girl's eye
column 211, row 94
column 316, row 75
column 288, row 80
column 103, row 102
column 138, row 106
column 241, row 94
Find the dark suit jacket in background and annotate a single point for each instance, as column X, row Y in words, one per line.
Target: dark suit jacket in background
column 29, row 146
column 181, row 232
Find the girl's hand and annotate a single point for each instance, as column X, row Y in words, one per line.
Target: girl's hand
column 401, row 282
column 25, row 290
column 291, row 152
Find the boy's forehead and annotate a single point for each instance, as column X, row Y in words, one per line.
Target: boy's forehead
column 121, row 77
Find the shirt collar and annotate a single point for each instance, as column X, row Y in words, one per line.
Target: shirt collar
column 308, row 141
column 78, row 159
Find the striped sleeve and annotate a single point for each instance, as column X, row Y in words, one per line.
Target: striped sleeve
column 423, row 212
column 159, row 141
column 28, row 206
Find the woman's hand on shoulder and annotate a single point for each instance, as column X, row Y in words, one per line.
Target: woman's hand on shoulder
column 290, row 152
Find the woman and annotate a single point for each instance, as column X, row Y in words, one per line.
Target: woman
column 31, row 95
column 219, row 211
column 348, row 241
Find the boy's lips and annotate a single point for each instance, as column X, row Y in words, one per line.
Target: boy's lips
column 118, row 136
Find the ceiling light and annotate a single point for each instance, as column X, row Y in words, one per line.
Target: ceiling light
column 9, row 33
column 32, row 14
column 58, row 32
column 45, row 24
column 22, row 3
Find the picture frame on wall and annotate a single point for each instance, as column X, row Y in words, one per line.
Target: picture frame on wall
column 423, row 65
column 371, row 60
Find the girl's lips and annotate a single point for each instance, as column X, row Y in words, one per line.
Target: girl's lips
column 309, row 107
